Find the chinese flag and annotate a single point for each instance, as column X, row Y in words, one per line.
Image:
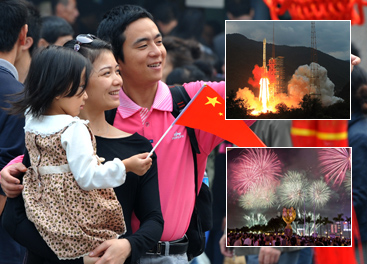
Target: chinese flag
column 206, row 112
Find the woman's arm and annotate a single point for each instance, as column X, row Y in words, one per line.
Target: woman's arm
column 147, row 208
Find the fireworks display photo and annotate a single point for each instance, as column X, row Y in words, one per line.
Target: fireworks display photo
column 289, row 196
column 287, row 69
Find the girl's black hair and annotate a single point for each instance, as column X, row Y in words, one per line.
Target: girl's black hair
column 54, row 71
column 92, row 50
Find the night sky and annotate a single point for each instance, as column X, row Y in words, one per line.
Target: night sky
column 296, row 159
column 332, row 37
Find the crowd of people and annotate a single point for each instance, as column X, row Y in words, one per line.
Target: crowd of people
column 253, row 239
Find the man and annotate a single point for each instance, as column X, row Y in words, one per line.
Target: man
column 13, row 32
column 24, row 57
column 67, row 9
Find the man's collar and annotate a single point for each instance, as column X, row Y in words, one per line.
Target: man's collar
column 162, row 101
column 10, row 67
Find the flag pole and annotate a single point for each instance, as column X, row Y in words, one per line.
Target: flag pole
column 174, row 122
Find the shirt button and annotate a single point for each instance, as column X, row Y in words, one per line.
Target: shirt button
column 147, row 124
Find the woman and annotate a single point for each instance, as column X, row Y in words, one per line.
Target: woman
column 139, row 195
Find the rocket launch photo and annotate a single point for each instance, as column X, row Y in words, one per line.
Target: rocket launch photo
column 304, row 72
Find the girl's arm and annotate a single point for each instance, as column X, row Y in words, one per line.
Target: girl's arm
column 86, row 167
column 83, row 163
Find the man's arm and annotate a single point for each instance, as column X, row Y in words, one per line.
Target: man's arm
column 223, row 249
column 269, row 255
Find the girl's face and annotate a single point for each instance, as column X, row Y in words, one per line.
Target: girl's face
column 104, row 83
column 62, row 105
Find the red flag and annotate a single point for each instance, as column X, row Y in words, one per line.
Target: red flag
column 206, row 112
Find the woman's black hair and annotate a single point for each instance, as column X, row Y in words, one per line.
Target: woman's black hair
column 92, row 50
column 54, row 71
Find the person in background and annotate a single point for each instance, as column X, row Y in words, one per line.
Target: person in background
column 357, row 137
column 67, row 9
column 24, row 57
column 13, row 36
column 55, row 30
column 180, row 52
column 166, row 17
column 185, row 74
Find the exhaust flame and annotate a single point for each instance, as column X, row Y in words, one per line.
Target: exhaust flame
column 264, row 93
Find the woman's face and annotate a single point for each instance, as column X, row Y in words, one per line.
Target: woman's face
column 104, row 83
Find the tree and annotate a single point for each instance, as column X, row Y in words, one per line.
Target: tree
column 301, row 221
column 237, row 108
column 308, row 221
column 275, row 224
column 311, row 106
column 319, row 222
column 348, row 219
column 326, row 221
column 339, row 219
column 282, row 108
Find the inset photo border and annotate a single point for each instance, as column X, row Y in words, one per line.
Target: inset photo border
column 289, row 197
column 288, row 69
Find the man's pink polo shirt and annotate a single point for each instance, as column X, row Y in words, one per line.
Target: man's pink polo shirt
column 174, row 155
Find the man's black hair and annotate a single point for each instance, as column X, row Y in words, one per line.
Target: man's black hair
column 238, row 7
column 54, row 27
column 166, row 12
column 13, row 15
column 114, row 23
column 34, row 22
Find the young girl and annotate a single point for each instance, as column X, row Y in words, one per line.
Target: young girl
column 67, row 191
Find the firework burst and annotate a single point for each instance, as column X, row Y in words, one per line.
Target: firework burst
column 334, row 163
column 255, row 167
column 258, row 219
column 348, row 181
column 293, row 190
column 300, row 222
column 262, row 197
column 319, row 193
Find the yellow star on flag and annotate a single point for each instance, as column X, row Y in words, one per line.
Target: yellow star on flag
column 220, row 114
column 212, row 101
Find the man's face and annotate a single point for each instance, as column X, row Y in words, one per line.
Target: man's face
column 144, row 53
column 69, row 12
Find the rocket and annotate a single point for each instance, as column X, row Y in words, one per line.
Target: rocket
column 264, row 55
